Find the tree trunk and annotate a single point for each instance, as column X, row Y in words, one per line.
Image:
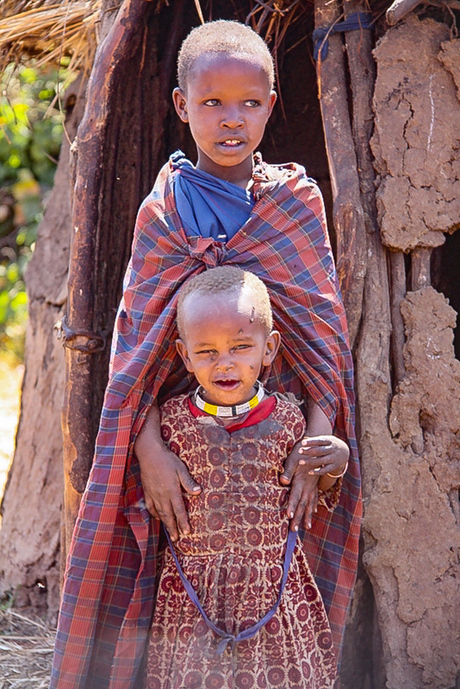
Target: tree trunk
column 30, row 534
column 347, row 210
column 119, row 137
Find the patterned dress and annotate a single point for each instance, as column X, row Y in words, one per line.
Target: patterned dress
column 234, row 560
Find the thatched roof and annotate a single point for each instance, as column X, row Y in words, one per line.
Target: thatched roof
column 49, row 30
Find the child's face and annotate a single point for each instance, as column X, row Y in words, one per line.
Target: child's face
column 227, row 104
column 224, row 346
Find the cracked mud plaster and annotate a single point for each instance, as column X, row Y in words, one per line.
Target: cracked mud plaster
column 416, row 141
column 411, row 520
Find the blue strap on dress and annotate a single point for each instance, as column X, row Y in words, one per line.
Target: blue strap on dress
column 208, row 206
column 226, row 637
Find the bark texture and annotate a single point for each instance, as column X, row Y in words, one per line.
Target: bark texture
column 30, row 534
column 120, row 146
column 86, row 338
column 348, row 212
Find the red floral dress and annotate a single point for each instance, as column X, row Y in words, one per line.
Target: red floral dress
column 234, row 560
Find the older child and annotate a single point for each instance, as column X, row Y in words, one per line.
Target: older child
column 231, row 208
column 236, row 605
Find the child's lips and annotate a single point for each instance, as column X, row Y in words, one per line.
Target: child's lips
column 231, row 143
column 226, row 384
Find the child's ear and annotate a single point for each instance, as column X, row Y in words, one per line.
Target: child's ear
column 182, row 349
column 271, row 103
column 180, row 103
column 271, row 347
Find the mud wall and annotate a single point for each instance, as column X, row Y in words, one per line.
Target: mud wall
column 411, row 446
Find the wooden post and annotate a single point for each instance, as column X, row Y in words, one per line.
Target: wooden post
column 77, row 417
column 421, row 268
column 398, row 9
column 398, row 292
column 347, row 208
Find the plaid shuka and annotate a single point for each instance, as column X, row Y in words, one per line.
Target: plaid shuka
column 109, row 588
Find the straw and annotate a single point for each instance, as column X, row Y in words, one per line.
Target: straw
column 49, row 32
column 26, row 650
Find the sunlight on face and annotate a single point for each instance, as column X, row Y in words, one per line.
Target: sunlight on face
column 225, row 344
column 227, row 105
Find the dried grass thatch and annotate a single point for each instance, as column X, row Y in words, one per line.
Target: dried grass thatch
column 48, row 31
column 26, row 651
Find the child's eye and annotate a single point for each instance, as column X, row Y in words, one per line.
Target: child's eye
column 212, row 102
column 242, row 346
column 252, row 103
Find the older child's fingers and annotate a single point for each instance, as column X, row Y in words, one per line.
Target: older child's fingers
column 315, row 446
column 187, row 482
column 180, row 515
column 316, row 440
column 304, row 490
column 316, row 450
column 310, row 510
column 166, row 514
column 151, row 508
column 294, row 498
column 290, row 465
column 333, row 467
column 304, row 510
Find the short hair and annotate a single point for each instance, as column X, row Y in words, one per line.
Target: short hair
column 227, row 279
column 223, row 36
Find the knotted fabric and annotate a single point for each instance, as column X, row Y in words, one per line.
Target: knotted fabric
column 208, row 206
column 358, row 20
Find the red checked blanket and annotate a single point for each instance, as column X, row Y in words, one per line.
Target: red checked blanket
column 110, row 580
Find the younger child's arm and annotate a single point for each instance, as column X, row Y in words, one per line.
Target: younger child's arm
column 163, row 476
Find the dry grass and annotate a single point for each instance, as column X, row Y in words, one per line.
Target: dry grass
column 50, row 31
column 26, row 651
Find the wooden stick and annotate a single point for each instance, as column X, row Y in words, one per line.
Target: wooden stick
column 78, row 418
column 398, row 9
column 361, row 65
column 421, row 268
column 347, row 209
column 398, row 292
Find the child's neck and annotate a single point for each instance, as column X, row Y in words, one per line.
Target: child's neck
column 240, row 175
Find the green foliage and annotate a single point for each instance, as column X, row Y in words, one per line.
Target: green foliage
column 30, row 138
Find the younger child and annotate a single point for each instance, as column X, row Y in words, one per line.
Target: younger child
column 252, row 615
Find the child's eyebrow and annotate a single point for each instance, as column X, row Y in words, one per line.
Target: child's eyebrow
column 216, row 91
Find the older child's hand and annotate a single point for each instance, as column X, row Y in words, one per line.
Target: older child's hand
column 303, row 498
column 163, row 476
column 310, row 459
column 324, row 454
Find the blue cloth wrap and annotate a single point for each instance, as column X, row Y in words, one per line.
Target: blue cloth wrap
column 208, row 206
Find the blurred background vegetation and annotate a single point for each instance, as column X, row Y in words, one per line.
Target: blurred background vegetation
column 30, row 138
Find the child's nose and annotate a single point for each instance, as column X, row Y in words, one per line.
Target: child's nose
column 224, row 362
column 232, row 119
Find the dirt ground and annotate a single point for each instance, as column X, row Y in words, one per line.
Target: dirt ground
column 26, row 651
